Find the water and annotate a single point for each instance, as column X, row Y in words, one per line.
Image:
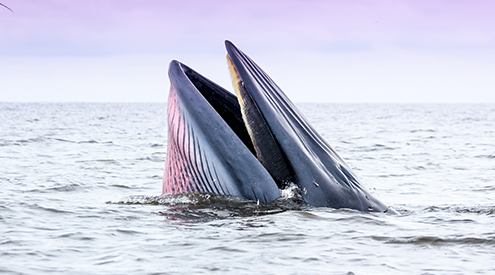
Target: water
column 80, row 186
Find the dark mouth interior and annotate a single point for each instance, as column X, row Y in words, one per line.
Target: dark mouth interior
column 224, row 103
column 227, row 106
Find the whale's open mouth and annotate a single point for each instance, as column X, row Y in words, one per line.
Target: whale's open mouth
column 252, row 143
column 226, row 105
column 243, row 116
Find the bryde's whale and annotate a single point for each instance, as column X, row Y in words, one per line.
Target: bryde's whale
column 251, row 144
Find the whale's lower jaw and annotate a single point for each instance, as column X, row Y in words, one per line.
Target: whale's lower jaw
column 207, row 148
column 250, row 145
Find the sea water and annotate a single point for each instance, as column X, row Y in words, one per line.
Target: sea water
column 80, row 187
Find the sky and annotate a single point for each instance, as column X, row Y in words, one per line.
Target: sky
column 417, row 51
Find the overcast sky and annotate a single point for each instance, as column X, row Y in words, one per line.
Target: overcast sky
column 316, row 50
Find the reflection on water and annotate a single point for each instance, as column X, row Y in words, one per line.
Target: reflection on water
column 199, row 208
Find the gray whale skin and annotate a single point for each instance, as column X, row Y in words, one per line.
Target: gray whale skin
column 251, row 144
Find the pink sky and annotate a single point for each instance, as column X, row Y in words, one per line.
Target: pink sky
column 317, row 50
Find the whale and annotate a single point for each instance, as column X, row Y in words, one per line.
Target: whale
column 252, row 143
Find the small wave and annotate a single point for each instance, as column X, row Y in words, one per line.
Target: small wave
column 379, row 146
column 373, row 148
column 491, row 156
column 121, row 186
column 434, row 240
column 30, row 140
column 152, row 159
column 7, row 143
column 156, row 145
column 471, row 119
column 58, row 188
column 484, row 210
column 393, row 175
column 64, row 140
column 65, row 188
column 484, row 188
column 416, row 167
column 88, row 141
column 226, row 249
column 108, row 161
column 128, row 232
column 181, row 199
column 205, row 207
column 49, row 209
column 423, row 130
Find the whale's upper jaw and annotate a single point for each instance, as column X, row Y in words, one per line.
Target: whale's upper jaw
column 304, row 156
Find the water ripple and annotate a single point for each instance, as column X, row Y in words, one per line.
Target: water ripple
column 80, row 185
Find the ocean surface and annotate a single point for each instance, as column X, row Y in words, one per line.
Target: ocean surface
column 81, row 184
